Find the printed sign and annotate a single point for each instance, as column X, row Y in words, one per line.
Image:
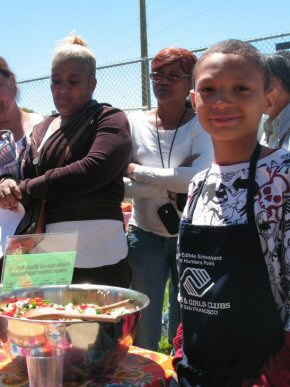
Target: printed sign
column 39, row 260
column 34, row 270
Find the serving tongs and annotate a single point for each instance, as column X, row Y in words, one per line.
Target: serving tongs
column 49, row 313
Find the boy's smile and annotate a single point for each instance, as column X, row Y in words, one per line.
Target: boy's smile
column 229, row 96
column 223, row 119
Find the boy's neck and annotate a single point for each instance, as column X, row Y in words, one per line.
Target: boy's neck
column 234, row 152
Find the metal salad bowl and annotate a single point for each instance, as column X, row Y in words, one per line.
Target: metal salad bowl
column 90, row 348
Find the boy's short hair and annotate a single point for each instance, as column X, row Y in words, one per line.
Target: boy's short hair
column 238, row 47
column 279, row 64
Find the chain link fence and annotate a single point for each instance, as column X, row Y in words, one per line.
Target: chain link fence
column 124, row 85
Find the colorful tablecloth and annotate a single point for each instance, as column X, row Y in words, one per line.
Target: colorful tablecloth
column 139, row 368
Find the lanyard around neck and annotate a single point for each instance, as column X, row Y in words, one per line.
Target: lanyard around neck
column 171, row 146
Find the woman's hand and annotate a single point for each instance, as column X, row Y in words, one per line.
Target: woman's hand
column 188, row 160
column 130, row 170
column 10, row 194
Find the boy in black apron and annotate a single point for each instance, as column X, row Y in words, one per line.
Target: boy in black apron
column 234, row 254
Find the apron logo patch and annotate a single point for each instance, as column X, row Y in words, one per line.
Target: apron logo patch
column 196, row 282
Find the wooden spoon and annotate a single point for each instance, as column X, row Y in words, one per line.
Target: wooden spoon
column 118, row 304
column 52, row 313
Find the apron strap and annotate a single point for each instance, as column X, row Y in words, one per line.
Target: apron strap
column 251, row 188
column 251, row 185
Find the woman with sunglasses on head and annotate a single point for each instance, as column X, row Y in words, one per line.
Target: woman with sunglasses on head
column 15, row 129
column 169, row 148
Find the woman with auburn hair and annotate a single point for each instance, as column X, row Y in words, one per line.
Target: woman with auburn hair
column 169, row 148
column 81, row 153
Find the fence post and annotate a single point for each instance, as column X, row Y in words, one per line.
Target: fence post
column 148, row 84
column 144, row 53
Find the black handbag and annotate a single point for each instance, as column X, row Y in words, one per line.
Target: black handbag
column 33, row 221
column 169, row 218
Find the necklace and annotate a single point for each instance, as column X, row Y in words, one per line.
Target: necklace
column 171, row 146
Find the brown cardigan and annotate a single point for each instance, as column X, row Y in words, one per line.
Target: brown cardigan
column 80, row 167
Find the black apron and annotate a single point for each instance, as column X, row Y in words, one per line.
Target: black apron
column 231, row 323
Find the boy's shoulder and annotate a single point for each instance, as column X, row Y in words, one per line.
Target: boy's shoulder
column 279, row 157
column 198, row 178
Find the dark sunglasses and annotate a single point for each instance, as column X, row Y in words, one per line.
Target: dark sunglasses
column 5, row 73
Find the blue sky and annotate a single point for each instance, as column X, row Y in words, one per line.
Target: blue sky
column 31, row 28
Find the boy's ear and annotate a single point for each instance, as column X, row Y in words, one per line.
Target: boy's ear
column 93, row 84
column 273, row 94
column 192, row 94
column 270, row 100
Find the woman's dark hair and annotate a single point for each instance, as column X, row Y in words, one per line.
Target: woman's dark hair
column 238, row 47
column 171, row 55
column 279, row 64
column 4, row 68
column 8, row 73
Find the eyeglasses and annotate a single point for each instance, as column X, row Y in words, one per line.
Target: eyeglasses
column 172, row 77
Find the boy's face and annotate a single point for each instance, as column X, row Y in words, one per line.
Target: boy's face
column 229, row 96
